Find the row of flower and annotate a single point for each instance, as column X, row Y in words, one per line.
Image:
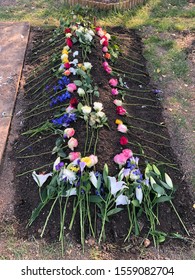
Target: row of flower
column 75, row 176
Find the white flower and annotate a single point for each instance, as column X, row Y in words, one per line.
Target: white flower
column 97, row 106
column 122, row 200
column 93, row 179
column 81, row 92
column 75, row 53
column 87, row 65
column 86, row 110
column 40, row 179
column 74, row 62
column 88, row 37
column 73, row 70
column 80, row 29
column 100, row 115
column 68, row 35
column 118, row 102
column 70, row 192
column 66, row 48
column 108, row 36
column 64, row 56
column 69, row 175
column 116, row 186
column 139, row 193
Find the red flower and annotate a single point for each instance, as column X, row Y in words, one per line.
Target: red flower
column 123, row 141
column 67, row 30
column 105, row 43
column 120, row 110
column 67, row 65
column 69, row 42
column 74, row 102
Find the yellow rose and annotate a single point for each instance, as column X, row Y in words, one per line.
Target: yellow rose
column 118, row 121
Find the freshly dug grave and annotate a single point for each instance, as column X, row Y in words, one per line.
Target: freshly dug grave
column 147, row 129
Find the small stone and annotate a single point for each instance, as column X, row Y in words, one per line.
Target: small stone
column 146, row 243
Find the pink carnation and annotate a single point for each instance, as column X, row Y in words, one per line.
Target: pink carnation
column 114, row 91
column 72, row 143
column 71, row 87
column 113, row 82
column 127, row 153
column 120, row 159
column 74, row 155
column 69, row 132
column 122, row 128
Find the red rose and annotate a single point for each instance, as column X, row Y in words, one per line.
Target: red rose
column 120, row 110
column 105, row 43
column 69, row 42
column 67, row 30
column 123, row 141
column 67, row 65
column 74, row 102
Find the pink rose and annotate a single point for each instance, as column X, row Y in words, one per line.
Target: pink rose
column 69, row 132
column 127, row 153
column 118, row 102
column 94, row 160
column 108, row 70
column 114, row 91
column 74, row 155
column 120, row 110
column 72, row 143
column 105, row 49
column 105, row 64
column 122, row 128
column 71, row 87
column 120, row 159
column 113, row 82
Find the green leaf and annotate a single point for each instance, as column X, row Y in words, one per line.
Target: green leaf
column 168, row 181
column 165, row 185
column 59, row 141
column 105, row 173
column 80, row 105
column 36, row 212
column 158, row 189
column 114, row 211
column 61, row 153
column 78, row 83
column 135, row 202
column 95, row 199
column 163, row 199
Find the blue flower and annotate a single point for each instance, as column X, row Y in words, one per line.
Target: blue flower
column 65, row 119
column 60, row 99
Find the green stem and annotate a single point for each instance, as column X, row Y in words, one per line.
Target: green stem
column 38, row 168
column 179, row 218
column 96, row 141
column 87, row 135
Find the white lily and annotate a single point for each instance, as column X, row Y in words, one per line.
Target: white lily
column 116, row 186
column 40, row 179
column 93, row 179
column 122, row 200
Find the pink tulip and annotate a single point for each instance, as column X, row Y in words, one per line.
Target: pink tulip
column 74, row 155
column 120, row 110
column 69, row 132
column 94, row 160
column 105, row 64
column 72, row 143
column 118, row 102
column 113, row 82
column 71, row 87
column 122, row 128
column 127, row 153
column 114, row 91
column 108, row 70
column 120, row 159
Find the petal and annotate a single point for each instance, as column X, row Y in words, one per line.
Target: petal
column 40, row 179
column 93, row 179
column 70, row 192
column 139, row 194
column 122, row 200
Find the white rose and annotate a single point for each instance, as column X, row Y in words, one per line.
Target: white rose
column 91, row 32
column 86, row 110
column 100, row 114
column 97, row 106
column 108, row 36
column 68, row 35
column 87, row 65
column 88, row 37
column 81, row 92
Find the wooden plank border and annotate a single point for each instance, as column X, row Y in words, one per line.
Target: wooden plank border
column 105, row 5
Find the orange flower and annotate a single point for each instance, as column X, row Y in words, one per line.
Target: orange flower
column 118, row 121
column 67, row 73
column 107, row 55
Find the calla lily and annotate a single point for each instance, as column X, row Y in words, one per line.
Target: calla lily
column 139, row 193
column 116, row 186
column 40, row 179
column 122, row 200
column 56, row 162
